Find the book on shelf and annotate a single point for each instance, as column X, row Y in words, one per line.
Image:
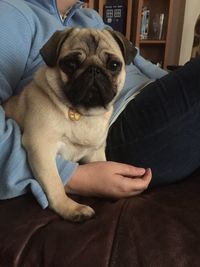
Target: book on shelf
column 157, row 23
column 161, row 20
column 145, row 17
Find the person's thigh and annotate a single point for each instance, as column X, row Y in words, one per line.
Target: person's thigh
column 160, row 128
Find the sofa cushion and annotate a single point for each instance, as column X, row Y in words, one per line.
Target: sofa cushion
column 160, row 227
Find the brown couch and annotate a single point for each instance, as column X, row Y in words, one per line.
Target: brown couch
column 159, row 228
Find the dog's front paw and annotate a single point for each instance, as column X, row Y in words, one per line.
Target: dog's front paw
column 81, row 213
column 71, row 210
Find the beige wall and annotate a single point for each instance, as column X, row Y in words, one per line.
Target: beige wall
column 192, row 10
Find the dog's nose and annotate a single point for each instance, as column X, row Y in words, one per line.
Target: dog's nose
column 94, row 70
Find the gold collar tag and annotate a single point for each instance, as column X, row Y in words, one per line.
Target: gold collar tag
column 73, row 115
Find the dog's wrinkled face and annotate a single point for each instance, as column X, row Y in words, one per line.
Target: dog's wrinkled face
column 89, row 65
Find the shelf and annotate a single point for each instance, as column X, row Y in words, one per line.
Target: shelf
column 148, row 41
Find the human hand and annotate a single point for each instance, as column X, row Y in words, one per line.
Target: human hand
column 109, row 179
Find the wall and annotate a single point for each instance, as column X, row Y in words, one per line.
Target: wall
column 192, row 10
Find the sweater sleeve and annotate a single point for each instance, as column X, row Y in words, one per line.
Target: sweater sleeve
column 16, row 177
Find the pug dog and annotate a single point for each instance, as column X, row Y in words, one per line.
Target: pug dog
column 67, row 107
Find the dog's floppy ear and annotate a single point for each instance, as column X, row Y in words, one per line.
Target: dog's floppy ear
column 50, row 50
column 127, row 48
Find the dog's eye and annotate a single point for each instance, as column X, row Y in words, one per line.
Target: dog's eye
column 114, row 65
column 69, row 66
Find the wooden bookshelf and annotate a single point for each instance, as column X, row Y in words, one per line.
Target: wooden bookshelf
column 147, row 42
column 164, row 51
column 152, row 48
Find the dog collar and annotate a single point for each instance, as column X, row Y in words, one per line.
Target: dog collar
column 73, row 114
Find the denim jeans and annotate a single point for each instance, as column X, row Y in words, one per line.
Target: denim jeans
column 160, row 128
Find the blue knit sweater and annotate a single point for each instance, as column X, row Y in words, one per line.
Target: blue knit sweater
column 25, row 27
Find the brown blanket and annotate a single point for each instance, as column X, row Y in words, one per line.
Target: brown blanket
column 159, row 228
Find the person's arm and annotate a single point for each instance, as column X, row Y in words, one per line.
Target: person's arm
column 109, row 179
column 148, row 68
column 16, row 42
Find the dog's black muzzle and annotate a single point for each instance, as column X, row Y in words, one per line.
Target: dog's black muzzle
column 93, row 88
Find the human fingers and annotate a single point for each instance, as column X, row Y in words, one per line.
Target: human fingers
column 134, row 186
column 128, row 170
column 141, row 183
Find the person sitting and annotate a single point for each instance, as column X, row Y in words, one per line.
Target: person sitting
column 153, row 138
